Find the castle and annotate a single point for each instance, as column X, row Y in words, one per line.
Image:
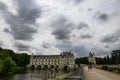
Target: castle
column 66, row 60
column 91, row 58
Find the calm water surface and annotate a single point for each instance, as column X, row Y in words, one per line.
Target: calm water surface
column 34, row 75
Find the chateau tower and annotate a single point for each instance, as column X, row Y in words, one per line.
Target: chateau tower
column 91, row 58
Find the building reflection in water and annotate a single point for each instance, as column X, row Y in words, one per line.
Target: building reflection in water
column 45, row 74
column 34, row 75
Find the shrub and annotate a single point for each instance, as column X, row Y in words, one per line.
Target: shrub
column 118, row 70
column 111, row 69
column 20, row 70
column 104, row 67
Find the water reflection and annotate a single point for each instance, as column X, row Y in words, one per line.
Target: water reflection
column 34, row 75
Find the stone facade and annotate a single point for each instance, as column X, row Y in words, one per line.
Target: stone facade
column 64, row 60
column 91, row 58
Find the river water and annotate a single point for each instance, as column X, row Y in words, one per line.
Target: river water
column 34, row 75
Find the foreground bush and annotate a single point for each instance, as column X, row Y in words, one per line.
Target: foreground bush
column 104, row 67
column 111, row 69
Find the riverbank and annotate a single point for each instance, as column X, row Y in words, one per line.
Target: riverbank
column 37, row 75
column 61, row 77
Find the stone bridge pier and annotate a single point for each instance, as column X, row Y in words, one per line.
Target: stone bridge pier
column 54, row 67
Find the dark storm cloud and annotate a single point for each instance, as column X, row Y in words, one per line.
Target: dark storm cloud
column 62, row 28
column 46, row 45
column 83, row 25
column 21, row 24
column 3, row 6
column 86, row 36
column 103, row 16
column 107, row 46
column 99, row 52
column 61, row 34
column 27, row 10
column 19, row 30
column 89, row 9
column 77, row 1
column 6, row 30
column 110, row 38
column 21, row 47
column 24, row 33
column 80, row 51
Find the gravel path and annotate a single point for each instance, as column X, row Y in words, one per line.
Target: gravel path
column 97, row 74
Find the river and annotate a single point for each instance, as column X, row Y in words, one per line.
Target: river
column 34, row 75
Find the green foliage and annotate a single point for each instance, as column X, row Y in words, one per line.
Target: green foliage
column 118, row 70
column 111, row 69
column 9, row 66
column 104, row 67
column 83, row 60
column 11, row 62
column 21, row 59
column 1, row 66
column 115, row 57
column 20, row 69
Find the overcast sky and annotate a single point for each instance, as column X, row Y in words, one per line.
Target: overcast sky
column 53, row 26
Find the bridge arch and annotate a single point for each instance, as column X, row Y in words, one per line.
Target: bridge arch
column 39, row 67
column 56, row 67
column 66, row 68
column 32, row 67
column 45, row 66
column 51, row 66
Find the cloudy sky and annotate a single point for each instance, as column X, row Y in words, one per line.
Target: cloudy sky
column 53, row 26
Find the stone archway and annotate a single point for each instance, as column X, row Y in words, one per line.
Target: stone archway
column 66, row 68
column 56, row 67
column 39, row 67
column 32, row 67
column 51, row 66
column 45, row 67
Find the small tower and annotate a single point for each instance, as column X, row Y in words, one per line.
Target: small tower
column 91, row 58
column 32, row 55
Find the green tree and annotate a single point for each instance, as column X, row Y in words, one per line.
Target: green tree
column 1, row 66
column 115, row 56
column 99, row 60
column 21, row 59
column 11, row 62
column 81, row 60
column 9, row 66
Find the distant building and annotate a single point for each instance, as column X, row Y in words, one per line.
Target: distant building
column 91, row 58
column 62, row 61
